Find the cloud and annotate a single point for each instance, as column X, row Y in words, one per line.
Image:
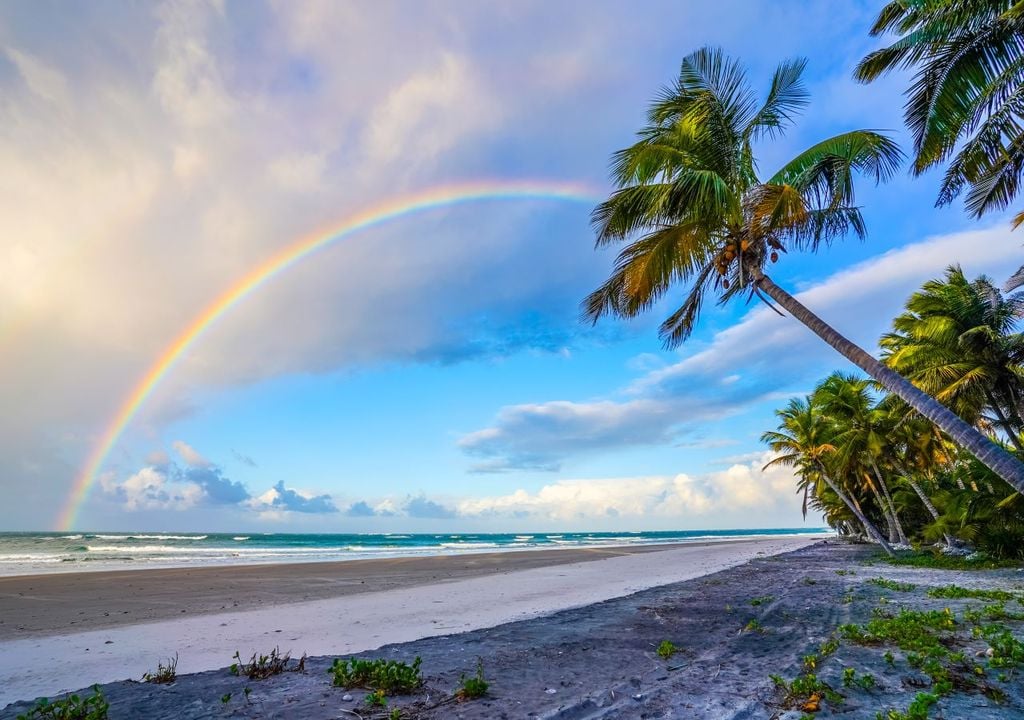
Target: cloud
column 244, row 459
column 287, row 499
column 421, row 507
column 218, row 489
column 163, row 484
column 191, row 457
column 733, row 491
column 776, row 356
column 360, row 509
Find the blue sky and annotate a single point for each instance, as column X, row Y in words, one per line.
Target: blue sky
column 431, row 373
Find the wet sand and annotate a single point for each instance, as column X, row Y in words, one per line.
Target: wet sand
column 56, row 604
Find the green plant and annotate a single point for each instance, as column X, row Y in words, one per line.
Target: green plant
column 846, row 572
column 475, row 686
column 810, row 663
column 829, row 646
column 763, row 600
column 388, row 676
column 892, row 584
column 755, row 625
column 72, row 707
column 225, row 699
column 164, row 673
column 377, row 698
column 918, row 709
column 888, row 656
column 260, row 667
column 666, row 649
column 955, row 592
column 806, row 691
column 810, row 581
column 849, row 675
column 395, row 714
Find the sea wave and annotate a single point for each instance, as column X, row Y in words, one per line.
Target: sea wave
column 240, row 538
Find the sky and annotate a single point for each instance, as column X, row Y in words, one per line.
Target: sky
column 428, row 374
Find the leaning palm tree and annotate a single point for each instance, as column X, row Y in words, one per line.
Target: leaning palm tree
column 802, row 442
column 693, row 209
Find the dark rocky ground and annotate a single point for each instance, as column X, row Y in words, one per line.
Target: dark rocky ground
column 599, row 662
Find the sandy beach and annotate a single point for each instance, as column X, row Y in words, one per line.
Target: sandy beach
column 570, row 641
column 60, row 632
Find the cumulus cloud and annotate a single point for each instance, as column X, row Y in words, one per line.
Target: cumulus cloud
column 280, row 497
column 360, row 509
column 737, row 489
column 163, row 484
column 422, row 507
column 775, row 355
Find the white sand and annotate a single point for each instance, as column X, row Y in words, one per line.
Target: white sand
column 341, row 626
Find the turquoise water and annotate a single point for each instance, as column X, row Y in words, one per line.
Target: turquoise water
column 27, row 553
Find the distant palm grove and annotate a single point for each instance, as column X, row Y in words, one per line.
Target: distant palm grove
column 926, row 448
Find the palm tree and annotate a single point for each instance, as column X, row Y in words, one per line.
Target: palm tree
column 689, row 188
column 957, row 341
column 802, row 443
column 968, row 85
column 915, row 449
column 968, row 57
column 859, row 439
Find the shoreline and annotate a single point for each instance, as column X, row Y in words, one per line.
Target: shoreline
column 47, row 663
column 55, row 603
column 29, row 560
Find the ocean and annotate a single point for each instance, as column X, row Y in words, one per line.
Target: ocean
column 29, row 553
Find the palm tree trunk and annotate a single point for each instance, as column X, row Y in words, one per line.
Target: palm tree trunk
column 928, row 505
column 996, row 458
column 890, row 526
column 868, row 525
column 892, row 506
column 1005, row 423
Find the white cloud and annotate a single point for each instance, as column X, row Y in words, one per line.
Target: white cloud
column 739, row 488
column 44, row 81
column 190, row 455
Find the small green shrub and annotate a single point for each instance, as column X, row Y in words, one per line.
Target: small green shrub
column 261, row 667
column 72, row 707
column 377, row 698
column 164, row 674
column 955, row 592
column 828, row 647
column 763, row 600
column 892, row 584
column 918, row 709
column 389, row 676
column 475, row 686
column 755, row 626
column 666, row 649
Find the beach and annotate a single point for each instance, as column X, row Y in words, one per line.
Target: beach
column 62, row 631
column 574, row 640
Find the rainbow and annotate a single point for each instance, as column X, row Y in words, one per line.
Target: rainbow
column 393, row 209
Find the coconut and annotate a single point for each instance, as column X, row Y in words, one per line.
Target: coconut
column 745, row 245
